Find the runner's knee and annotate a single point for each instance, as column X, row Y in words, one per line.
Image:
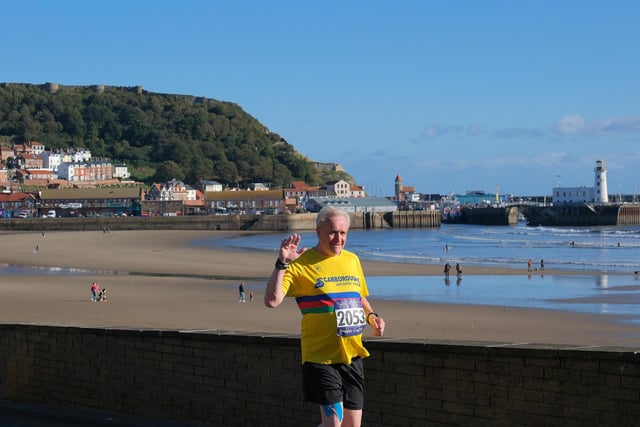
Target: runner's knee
column 333, row 409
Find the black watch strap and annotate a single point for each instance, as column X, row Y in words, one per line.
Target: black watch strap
column 281, row 265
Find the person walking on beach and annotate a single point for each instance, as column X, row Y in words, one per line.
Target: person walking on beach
column 94, row 291
column 241, row 297
column 330, row 289
column 447, row 269
column 530, row 265
column 541, row 265
column 458, row 269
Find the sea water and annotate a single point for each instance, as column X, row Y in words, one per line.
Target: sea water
column 612, row 252
column 602, row 249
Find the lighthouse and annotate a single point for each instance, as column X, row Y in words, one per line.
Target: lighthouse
column 601, row 194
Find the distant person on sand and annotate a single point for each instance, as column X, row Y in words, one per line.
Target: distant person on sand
column 447, row 269
column 94, row 291
column 541, row 265
column 458, row 269
column 241, row 297
column 530, row 265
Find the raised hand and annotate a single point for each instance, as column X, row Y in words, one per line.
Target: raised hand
column 289, row 250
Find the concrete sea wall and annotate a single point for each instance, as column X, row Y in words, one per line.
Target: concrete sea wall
column 585, row 215
column 489, row 215
column 414, row 219
column 292, row 222
column 628, row 215
column 249, row 380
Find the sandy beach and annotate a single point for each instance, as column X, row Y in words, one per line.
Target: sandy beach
column 157, row 280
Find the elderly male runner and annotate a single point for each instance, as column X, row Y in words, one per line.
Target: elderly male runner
column 330, row 289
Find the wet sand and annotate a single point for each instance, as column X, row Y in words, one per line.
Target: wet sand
column 157, row 280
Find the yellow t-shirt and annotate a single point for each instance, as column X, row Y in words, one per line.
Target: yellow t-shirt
column 329, row 291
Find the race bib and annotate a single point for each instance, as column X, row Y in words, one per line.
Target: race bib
column 350, row 317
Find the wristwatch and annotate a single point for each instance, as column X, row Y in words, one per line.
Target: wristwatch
column 281, row 265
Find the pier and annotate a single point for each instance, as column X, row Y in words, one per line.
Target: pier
column 629, row 215
column 584, row 215
column 506, row 215
column 413, row 219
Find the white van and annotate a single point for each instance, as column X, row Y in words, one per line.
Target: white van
column 51, row 214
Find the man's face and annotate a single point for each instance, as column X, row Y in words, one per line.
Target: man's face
column 332, row 235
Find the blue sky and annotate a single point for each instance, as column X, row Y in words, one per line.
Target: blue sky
column 451, row 95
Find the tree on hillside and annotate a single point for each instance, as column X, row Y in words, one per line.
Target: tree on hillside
column 156, row 135
column 169, row 170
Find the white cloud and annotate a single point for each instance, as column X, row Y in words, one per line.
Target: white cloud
column 620, row 125
column 431, row 132
column 570, row 124
column 576, row 124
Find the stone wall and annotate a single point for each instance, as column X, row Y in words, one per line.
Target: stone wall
column 281, row 222
column 249, row 380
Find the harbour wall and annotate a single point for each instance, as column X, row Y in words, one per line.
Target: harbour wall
column 281, row 222
column 228, row 379
column 584, row 215
column 489, row 215
column 414, row 219
column 628, row 215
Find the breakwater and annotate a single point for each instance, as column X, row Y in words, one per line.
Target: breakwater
column 282, row 222
column 413, row 219
column 507, row 215
column 484, row 215
column 231, row 379
column 584, row 214
column 628, row 215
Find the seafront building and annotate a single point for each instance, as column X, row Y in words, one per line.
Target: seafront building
column 596, row 194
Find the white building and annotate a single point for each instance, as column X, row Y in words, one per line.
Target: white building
column 172, row 190
column 121, row 172
column 596, row 194
column 95, row 170
column 209, row 186
column 342, row 188
column 51, row 160
column 78, row 155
